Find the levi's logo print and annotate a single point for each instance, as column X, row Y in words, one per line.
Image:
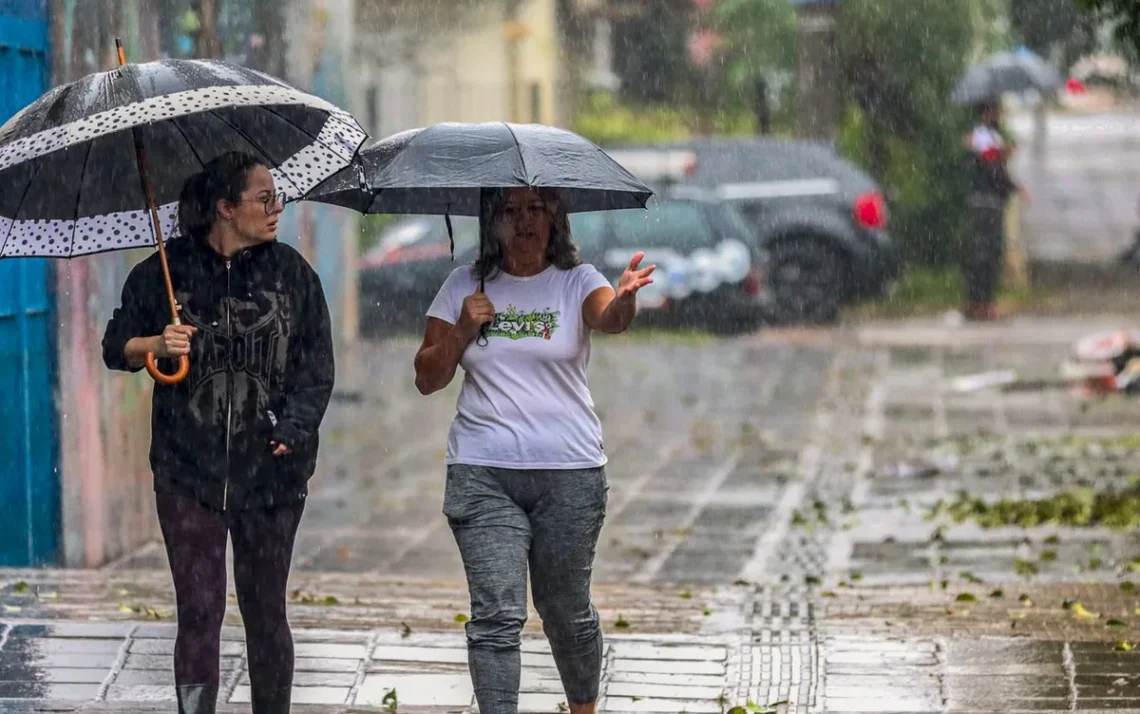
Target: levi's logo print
column 515, row 325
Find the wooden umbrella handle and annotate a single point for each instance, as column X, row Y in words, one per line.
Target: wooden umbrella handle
column 167, row 379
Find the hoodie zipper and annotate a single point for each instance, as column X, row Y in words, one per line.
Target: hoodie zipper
column 229, row 391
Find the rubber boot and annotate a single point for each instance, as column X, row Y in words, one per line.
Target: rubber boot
column 271, row 701
column 197, row 698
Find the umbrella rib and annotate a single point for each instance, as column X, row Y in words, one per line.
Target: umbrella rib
column 249, row 139
column 518, row 146
column 78, row 196
column 252, row 143
column 197, row 156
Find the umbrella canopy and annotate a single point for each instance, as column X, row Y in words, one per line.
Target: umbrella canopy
column 1005, row 72
column 442, row 168
column 70, row 181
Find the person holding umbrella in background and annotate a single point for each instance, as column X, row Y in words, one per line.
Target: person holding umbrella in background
column 989, row 186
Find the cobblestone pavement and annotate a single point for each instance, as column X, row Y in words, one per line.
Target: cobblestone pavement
column 770, row 540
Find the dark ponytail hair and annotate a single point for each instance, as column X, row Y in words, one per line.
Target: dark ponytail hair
column 224, row 177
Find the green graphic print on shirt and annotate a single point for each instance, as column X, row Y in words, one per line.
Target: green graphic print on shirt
column 515, row 325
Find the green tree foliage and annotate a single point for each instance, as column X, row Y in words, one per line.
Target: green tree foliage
column 1040, row 24
column 759, row 40
column 1123, row 14
column 900, row 60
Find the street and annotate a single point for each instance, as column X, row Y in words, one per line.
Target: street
column 771, row 538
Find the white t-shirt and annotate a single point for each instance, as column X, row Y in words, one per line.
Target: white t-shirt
column 525, row 401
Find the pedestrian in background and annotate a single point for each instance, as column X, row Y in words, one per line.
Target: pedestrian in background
column 989, row 186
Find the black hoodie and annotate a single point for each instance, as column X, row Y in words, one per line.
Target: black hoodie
column 261, row 370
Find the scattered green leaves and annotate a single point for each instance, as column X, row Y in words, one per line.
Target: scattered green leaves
column 1115, row 625
column 1048, row 556
column 405, row 630
column 1127, row 587
column 462, row 618
column 1025, row 600
column 21, row 587
column 685, row 595
column 970, row 577
column 1124, row 646
column 997, row 593
column 390, row 701
column 1082, row 507
column 965, row 597
column 622, row 623
column 1025, row 568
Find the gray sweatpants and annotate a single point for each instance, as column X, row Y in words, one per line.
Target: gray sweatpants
column 505, row 520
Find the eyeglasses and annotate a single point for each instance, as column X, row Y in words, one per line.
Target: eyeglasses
column 271, row 203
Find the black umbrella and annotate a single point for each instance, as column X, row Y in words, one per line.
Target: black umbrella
column 1005, row 72
column 98, row 164
column 442, row 168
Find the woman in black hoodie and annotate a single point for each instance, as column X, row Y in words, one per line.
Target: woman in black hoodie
column 234, row 444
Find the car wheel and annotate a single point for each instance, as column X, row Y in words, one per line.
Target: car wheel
column 806, row 279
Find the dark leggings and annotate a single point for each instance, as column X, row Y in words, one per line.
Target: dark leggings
column 195, row 539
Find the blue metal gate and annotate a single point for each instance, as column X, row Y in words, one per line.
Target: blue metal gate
column 29, row 441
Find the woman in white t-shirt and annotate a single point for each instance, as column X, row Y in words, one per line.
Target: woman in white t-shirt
column 526, row 485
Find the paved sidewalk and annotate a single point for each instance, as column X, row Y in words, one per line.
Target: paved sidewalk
column 773, row 537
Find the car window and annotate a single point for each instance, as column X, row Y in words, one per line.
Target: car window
column 680, row 225
column 588, row 229
column 736, row 222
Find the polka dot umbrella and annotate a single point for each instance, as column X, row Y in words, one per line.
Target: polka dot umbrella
column 97, row 165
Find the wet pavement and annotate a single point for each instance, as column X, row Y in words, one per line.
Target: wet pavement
column 774, row 536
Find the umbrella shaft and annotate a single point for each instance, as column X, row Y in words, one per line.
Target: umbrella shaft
column 140, row 156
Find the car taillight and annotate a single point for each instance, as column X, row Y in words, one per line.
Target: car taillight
column 753, row 283
column 871, row 210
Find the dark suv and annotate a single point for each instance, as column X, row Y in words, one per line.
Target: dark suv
column 822, row 221
column 710, row 270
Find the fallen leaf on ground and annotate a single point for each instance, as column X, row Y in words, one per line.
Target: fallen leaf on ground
column 997, row 593
column 21, row 587
column 1127, row 586
column 622, row 623
column 965, row 597
column 1083, row 613
column 461, row 618
column 1124, row 646
column 1116, row 624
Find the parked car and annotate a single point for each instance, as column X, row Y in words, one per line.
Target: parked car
column 710, row 274
column 822, row 221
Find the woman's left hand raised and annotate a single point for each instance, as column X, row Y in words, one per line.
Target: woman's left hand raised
column 633, row 278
